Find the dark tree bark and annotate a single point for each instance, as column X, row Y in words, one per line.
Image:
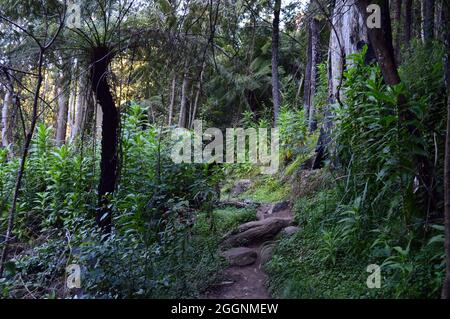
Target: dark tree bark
column 438, row 22
column 397, row 4
column 446, row 285
column 276, row 96
column 88, row 127
column 100, row 59
column 407, row 22
column 428, row 20
column 381, row 40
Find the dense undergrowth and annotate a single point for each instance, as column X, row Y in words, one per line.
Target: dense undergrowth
column 374, row 208
column 165, row 229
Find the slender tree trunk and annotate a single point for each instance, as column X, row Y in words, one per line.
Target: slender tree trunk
column 299, row 89
column 438, row 19
column 7, row 136
column 307, row 87
column 99, row 120
column 314, row 62
column 88, row 125
column 23, row 159
column 446, row 19
column 80, row 109
column 172, row 98
column 184, row 101
column 100, row 60
column 62, row 92
column 407, row 22
column 189, row 109
column 72, row 96
column 381, row 40
column 397, row 4
column 197, row 94
column 276, row 95
column 428, row 20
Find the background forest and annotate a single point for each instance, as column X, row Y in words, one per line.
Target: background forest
column 90, row 92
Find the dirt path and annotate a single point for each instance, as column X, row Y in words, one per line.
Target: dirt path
column 249, row 282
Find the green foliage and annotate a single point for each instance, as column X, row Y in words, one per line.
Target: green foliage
column 227, row 218
column 377, row 212
column 154, row 210
column 293, row 132
column 267, row 189
column 320, row 99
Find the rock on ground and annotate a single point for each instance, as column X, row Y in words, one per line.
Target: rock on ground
column 266, row 251
column 256, row 231
column 279, row 206
column 289, row 231
column 240, row 187
column 240, row 256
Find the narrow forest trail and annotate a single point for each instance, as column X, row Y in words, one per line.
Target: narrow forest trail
column 252, row 244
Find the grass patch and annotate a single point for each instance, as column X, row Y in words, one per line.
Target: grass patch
column 267, row 189
column 321, row 262
column 224, row 219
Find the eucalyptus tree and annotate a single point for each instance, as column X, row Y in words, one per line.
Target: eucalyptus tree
column 276, row 94
column 428, row 8
column 62, row 81
column 312, row 63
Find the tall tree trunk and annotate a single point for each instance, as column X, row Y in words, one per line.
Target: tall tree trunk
column 381, row 40
column 7, row 127
column 446, row 20
column 397, row 19
column 62, row 93
column 197, row 94
column 100, row 60
column 98, row 120
column 307, row 87
column 428, row 20
column 172, row 98
column 72, row 97
column 407, row 21
column 276, row 95
column 438, row 19
column 347, row 33
column 88, row 125
column 189, row 109
column 184, row 101
column 310, row 83
column 80, row 107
